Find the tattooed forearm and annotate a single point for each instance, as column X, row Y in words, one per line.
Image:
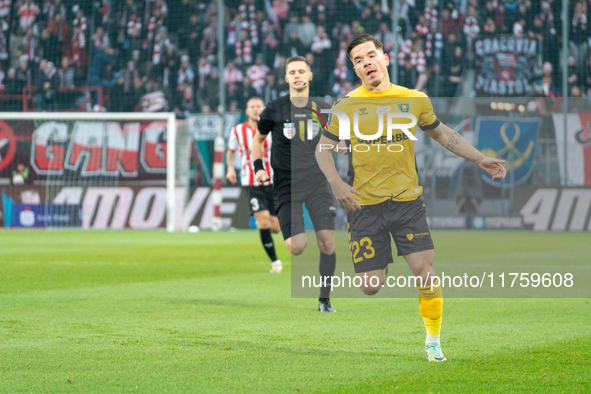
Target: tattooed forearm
column 453, row 140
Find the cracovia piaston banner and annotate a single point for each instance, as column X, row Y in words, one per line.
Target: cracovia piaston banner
column 578, row 140
column 504, row 65
column 512, row 140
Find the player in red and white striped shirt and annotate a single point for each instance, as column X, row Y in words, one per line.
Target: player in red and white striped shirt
column 262, row 204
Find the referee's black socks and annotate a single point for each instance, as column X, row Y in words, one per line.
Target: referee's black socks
column 267, row 241
column 328, row 264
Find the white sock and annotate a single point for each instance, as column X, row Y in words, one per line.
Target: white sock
column 276, row 262
column 431, row 339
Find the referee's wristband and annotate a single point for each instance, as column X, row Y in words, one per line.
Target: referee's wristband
column 258, row 165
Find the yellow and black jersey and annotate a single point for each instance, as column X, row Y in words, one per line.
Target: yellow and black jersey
column 380, row 168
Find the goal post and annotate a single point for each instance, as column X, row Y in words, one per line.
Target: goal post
column 108, row 145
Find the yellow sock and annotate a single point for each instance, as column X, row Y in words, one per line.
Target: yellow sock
column 431, row 308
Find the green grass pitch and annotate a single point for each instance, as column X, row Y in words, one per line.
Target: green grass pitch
column 151, row 312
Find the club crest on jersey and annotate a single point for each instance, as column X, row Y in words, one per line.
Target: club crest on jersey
column 382, row 110
column 288, row 130
column 403, row 107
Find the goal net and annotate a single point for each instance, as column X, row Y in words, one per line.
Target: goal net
column 94, row 170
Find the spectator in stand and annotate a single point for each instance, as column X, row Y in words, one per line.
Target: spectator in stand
column 180, row 14
column 246, row 92
column 3, row 48
column 548, row 87
column 14, row 86
column 27, row 13
column 448, row 24
column 487, row 12
column 407, row 74
column 232, row 78
column 321, row 40
column 501, row 19
column 490, row 27
column 30, row 46
column 155, row 22
column 98, row 62
column 421, row 27
column 292, row 26
column 211, row 92
column 579, row 35
column 293, row 47
column 431, row 13
column 511, row 12
column 243, row 48
column 369, row 21
column 161, row 42
column 257, row 73
column 133, row 42
column 339, row 75
column 437, row 81
column 318, row 88
column 185, row 74
column 80, row 19
column 47, row 83
column 171, row 64
column 185, row 105
column 386, row 37
column 191, row 36
column 80, row 62
column 306, row 31
column 79, row 36
column 271, row 92
column 519, row 28
column 575, row 91
column 57, row 7
column 433, row 45
column 25, row 75
column 66, row 74
column 109, row 81
column 204, row 68
column 527, row 15
column 356, row 28
column 134, row 23
column 574, row 73
column 48, row 45
column 100, row 39
column 455, row 72
column 208, row 44
column 60, row 31
column 471, row 25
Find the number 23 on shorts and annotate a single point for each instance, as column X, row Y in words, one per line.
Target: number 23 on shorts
column 355, row 248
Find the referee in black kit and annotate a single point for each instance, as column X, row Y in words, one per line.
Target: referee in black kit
column 290, row 136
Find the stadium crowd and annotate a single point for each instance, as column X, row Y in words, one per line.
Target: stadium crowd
column 150, row 55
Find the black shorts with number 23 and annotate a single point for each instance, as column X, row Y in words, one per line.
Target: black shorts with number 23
column 370, row 229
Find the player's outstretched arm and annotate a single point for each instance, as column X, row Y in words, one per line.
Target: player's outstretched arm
column 341, row 190
column 455, row 143
column 257, row 154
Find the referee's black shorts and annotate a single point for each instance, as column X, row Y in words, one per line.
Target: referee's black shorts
column 315, row 192
column 370, row 229
column 260, row 198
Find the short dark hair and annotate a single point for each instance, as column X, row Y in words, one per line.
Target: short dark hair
column 296, row 59
column 255, row 98
column 363, row 38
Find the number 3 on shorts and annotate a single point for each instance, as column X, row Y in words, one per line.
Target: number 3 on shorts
column 356, row 247
column 254, row 204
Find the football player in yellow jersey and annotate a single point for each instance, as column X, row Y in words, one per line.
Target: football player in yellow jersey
column 383, row 196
